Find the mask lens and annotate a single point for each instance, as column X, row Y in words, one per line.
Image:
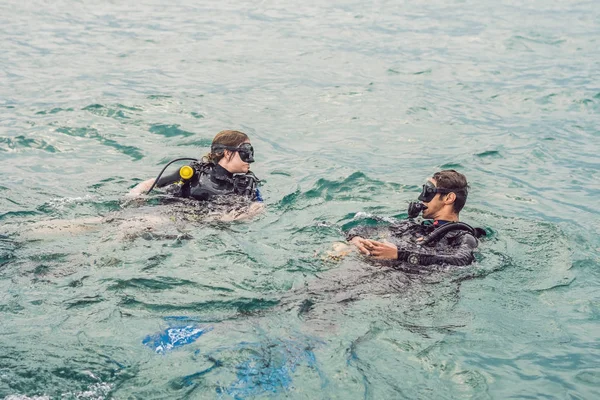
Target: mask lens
column 428, row 192
column 246, row 152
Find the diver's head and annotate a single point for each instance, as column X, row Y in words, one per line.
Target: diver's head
column 444, row 194
column 231, row 150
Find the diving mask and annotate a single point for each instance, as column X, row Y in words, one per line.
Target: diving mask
column 429, row 191
column 245, row 150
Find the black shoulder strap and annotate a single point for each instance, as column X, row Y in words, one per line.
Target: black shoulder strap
column 442, row 231
column 245, row 183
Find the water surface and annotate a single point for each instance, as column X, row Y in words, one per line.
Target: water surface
column 350, row 106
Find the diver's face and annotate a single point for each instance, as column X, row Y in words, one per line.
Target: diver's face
column 234, row 163
column 434, row 206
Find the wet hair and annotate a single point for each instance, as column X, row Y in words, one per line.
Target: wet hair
column 224, row 138
column 456, row 182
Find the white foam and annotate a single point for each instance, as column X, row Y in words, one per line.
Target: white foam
column 96, row 391
column 60, row 203
column 365, row 215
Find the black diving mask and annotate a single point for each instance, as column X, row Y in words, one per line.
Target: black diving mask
column 429, row 191
column 245, row 150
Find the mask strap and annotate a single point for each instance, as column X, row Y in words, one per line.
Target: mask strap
column 444, row 191
column 221, row 147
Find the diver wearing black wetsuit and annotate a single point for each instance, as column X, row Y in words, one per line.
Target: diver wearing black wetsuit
column 210, row 180
column 453, row 248
column 443, row 241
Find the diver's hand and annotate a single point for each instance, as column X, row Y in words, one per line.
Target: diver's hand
column 361, row 244
column 253, row 210
column 383, row 250
column 249, row 212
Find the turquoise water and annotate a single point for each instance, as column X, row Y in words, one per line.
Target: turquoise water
column 350, row 106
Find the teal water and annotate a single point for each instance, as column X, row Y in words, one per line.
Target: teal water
column 350, row 106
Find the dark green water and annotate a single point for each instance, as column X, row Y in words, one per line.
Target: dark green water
column 350, row 106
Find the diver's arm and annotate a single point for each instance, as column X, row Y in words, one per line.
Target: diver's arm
column 141, row 188
column 462, row 254
column 357, row 235
column 168, row 179
column 250, row 212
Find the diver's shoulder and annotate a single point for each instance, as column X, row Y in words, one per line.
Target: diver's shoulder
column 466, row 234
column 463, row 237
column 203, row 166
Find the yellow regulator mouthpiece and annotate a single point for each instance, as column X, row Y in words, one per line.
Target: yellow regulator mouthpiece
column 186, row 172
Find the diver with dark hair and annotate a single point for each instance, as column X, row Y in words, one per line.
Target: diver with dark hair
column 224, row 171
column 440, row 239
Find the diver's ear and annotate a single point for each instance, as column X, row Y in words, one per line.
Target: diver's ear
column 227, row 154
column 450, row 198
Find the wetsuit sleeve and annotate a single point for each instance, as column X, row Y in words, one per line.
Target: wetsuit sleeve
column 461, row 253
column 168, row 179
